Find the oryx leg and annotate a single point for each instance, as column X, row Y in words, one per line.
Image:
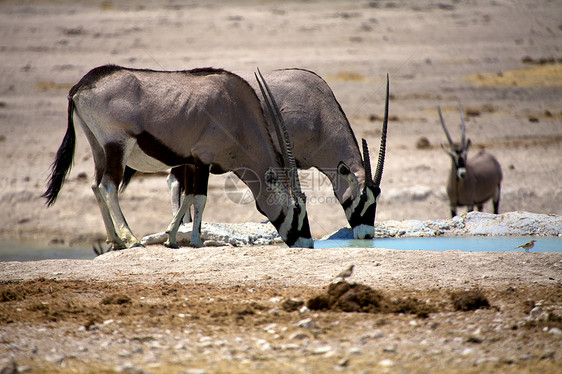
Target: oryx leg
column 108, row 189
column 178, row 179
column 200, row 186
column 112, row 236
column 453, row 211
column 496, row 199
column 173, row 227
column 479, row 207
column 469, row 208
column 183, row 201
column 195, row 192
column 99, row 164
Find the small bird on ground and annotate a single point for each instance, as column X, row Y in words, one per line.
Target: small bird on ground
column 346, row 273
column 527, row 246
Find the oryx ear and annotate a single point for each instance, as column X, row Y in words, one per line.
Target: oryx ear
column 468, row 143
column 345, row 172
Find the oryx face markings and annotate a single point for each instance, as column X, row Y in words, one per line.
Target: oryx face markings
column 294, row 227
column 361, row 211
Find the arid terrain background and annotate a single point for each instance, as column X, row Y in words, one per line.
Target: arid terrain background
column 502, row 59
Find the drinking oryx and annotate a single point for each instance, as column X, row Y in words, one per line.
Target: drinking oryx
column 209, row 119
column 322, row 138
column 471, row 181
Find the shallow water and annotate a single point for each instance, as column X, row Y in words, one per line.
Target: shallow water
column 24, row 251
column 469, row 244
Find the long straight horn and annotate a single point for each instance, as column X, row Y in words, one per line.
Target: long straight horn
column 367, row 163
column 463, row 126
column 282, row 137
column 445, row 129
column 382, row 148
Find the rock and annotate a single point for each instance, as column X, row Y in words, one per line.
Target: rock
column 469, row 224
column 322, row 350
column 128, row 367
column 263, row 345
column 306, row 324
column 386, row 363
column 298, row 336
column 55, row 358
column 389, row 349
column 355, row 351
column 222, row 234
column 195, row 371
column 344, row 362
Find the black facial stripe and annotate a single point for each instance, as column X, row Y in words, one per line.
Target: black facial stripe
column 294, row 233
column 368, row 218
column 357, row 219
column 347, row 203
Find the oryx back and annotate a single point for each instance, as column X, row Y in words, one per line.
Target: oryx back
column 318, row 127
column 170, row 117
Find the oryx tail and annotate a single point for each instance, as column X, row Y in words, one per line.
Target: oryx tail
column 63, row 161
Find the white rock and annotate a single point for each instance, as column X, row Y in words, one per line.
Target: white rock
column 386, row 363
column 195, row 371
column 306, row 323
column 322, row 350
column 355, row 351
column 221, row 234
column 472, row 223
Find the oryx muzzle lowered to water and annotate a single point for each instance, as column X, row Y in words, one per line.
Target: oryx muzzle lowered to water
column 471, row 181
column 322, row 138
column 208, row 119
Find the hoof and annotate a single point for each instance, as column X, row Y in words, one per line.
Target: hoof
column 170, row 245
column 198, row 244
column 100, row 247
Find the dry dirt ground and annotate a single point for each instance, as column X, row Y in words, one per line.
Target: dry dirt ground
column 501, row 58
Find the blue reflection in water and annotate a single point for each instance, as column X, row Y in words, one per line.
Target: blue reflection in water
column 21, row 251
column 469, row 244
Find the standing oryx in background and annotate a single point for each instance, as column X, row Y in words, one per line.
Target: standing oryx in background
column 471, row 181
column 322, row 138
column 151, row 120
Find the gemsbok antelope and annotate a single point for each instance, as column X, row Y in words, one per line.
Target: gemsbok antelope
column 148, row 120
column 471, row 181
column 322, row 138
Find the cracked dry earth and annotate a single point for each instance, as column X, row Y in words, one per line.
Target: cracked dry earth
column 51, row 325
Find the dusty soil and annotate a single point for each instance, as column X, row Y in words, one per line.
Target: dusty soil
column 221, row 310
column 169, row 327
